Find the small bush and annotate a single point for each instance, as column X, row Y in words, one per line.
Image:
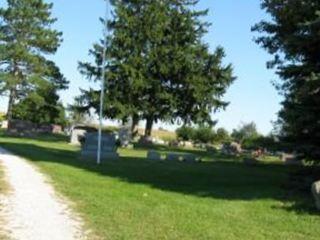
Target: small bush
column 260, row 142
column 185, row 133
column 222, row 136
column 204, row 135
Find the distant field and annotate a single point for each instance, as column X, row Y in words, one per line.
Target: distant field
column 161, row 134
column 137, row 199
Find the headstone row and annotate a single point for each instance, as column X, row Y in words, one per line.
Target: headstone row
column 173, row 157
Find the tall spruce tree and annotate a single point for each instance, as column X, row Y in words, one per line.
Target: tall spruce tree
column 26, row 38
column 158, row 66
column 293, row 37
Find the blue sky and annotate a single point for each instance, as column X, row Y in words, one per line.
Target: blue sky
column 252, row 97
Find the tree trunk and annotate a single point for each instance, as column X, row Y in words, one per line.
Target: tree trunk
column 135, row 122
column 12, row 98
column 149, row 126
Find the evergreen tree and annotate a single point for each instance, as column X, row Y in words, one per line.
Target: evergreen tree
column 293, row 37
column 26, row 38
column 78, row 113
column 41, row 106
column 158, row 67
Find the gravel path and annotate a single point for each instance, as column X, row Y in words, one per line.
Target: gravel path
column 32, row 210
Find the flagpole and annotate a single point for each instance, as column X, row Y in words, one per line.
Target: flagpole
column 103, row 78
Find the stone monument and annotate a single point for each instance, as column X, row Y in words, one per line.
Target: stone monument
column 125, row 136
column 154, row 156
column 78, row 132
column 316, row 193
column 190, row 158
column 108, row 147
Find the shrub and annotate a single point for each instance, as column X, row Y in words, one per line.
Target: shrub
column 185, row 133
column 222, row 136
column 204, row 135
column 245, row 132
column 261, row 142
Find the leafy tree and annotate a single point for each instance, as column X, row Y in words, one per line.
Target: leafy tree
column 26, row 38
column 268, row 142
column 222, row 136
column 293, row 37
column 244, row 132
column 204, row 134
column 2, row 116
column 185, row 133
column 158, row 68
column 61, row 119
column 41, row 106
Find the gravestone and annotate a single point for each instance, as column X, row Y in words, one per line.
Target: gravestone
column 108, row 147
column 211, row 149
column 173, row 157
column 27, row 128
column 78, row 132
column 154, row 156
column 125, row 136
column 190, row 158
column 146, row 141
column 232, row 149
column 188, row 144
column 250, row 161
column 291, row 159
column 316, row 193
column 57, row 129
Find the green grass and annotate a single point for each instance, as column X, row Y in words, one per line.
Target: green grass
column 137, row 199
column 3, row 190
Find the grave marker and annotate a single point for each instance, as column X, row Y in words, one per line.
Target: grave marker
column 108, row 147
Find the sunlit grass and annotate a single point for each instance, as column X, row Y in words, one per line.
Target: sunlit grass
column 134, row 198
column 3, row 190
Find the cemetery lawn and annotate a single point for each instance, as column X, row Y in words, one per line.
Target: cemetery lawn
column 137, row 199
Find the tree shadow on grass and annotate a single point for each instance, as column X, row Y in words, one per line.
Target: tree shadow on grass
column 41, row 136
column 218, row 179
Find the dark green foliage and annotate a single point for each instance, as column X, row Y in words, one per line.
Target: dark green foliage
column 185, row 133
column 204, row 134
column 267, row 142
column 158, row 68
column 245, row 132
column 293, row 37
column 222, row 136
column 26, row 38
column 77, row 114
column 41, row 106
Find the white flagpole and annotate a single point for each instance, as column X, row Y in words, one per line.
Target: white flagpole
column 103, row 76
